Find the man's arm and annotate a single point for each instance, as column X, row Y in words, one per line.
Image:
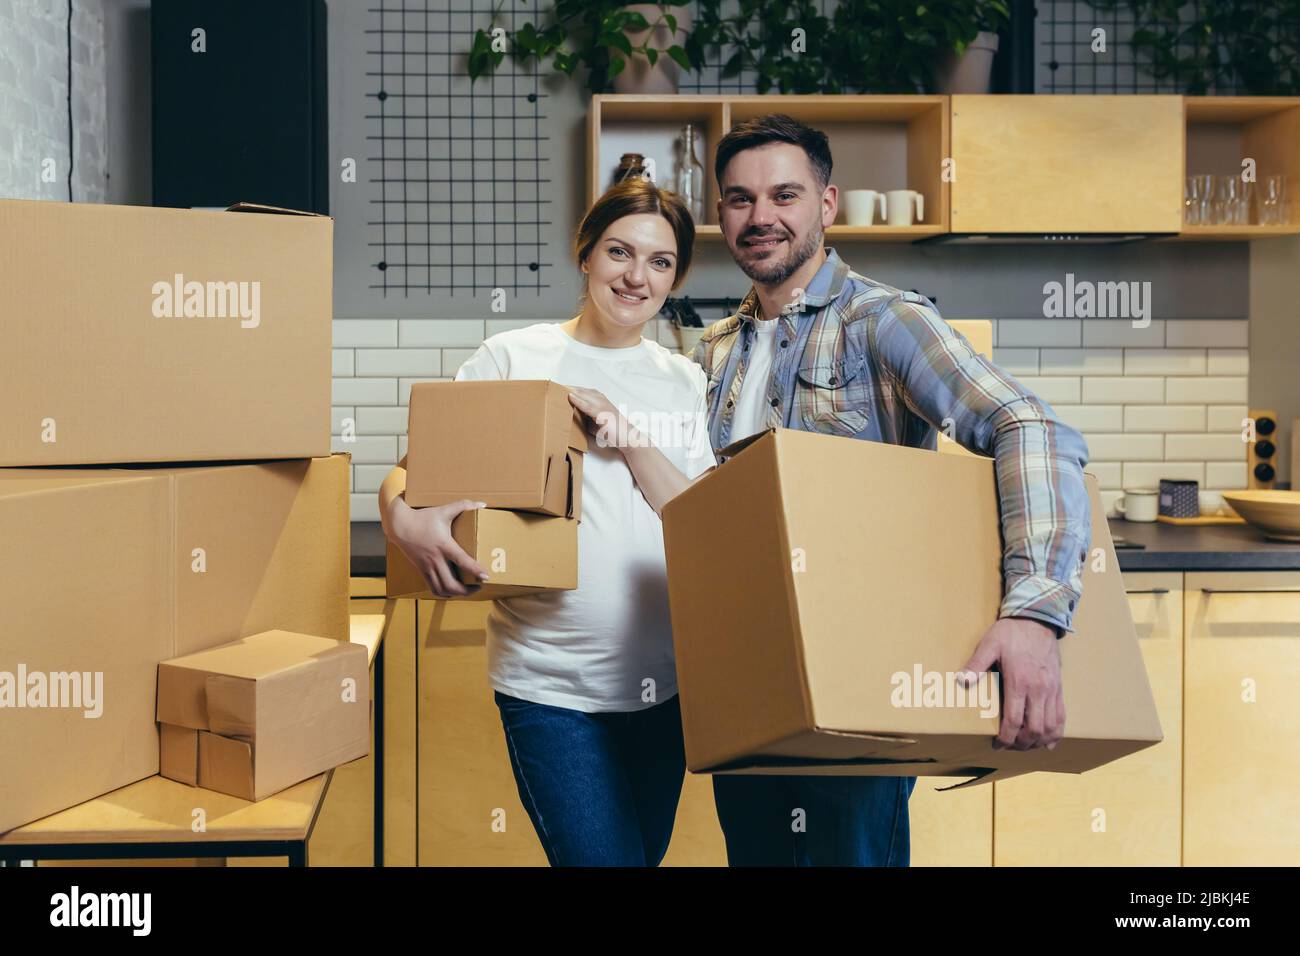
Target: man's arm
column 1039, row 460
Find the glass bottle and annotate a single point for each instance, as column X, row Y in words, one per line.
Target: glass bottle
column 690, row 175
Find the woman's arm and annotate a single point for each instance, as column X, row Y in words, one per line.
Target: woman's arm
column 658, row 478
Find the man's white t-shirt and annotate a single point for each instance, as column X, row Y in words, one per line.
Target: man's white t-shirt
column 595, row 648
column 753, row 407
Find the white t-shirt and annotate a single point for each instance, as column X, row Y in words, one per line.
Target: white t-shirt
column 753, row 407
column 593, row 648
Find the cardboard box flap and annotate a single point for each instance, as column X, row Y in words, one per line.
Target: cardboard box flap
column 232, row 706
column 740, row 444
column 226, row 765
column 270, row 210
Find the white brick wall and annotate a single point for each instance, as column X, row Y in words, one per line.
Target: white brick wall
column 33, row 100
column 1161, row 402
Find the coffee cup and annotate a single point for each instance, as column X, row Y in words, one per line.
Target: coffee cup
column 1138, row 504
column 860, row 206
column 901, row 204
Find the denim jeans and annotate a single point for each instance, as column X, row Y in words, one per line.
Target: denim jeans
column 845, row 821
column 601, row 789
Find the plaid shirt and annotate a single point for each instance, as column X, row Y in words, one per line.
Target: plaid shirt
column 860, row 359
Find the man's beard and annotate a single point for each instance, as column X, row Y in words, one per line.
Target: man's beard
column 774, row 272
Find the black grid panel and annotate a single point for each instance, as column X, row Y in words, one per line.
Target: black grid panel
column 458, row 189
column 1066, row 63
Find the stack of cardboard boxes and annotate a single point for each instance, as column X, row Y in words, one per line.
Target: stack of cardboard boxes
column 516, row 446
column 166, row 482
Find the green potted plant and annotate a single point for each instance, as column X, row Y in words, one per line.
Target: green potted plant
column 605, row 37
column 864, row 46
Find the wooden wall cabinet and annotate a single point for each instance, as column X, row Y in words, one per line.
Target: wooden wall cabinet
column 1067, row 164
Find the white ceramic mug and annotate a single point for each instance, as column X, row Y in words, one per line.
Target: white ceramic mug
column 900, row 206
column 860, row 206
column 1212, row 503
column 1138, row 504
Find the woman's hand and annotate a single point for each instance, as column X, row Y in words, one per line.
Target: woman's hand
column 603, row 419
column 424, row 536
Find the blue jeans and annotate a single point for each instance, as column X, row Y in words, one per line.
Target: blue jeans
column 845, row 821
column 601, row 789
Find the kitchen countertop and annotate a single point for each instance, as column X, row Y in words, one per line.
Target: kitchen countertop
column 1168, row 548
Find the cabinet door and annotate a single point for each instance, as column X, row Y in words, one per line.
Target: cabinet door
column 951, row 829
column 1126, row 813
column 1242, row 725
column 1067, row 163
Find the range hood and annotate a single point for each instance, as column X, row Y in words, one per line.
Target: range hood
column 1042, row 238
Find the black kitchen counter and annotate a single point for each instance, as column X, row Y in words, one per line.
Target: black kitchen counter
column 1168, row 548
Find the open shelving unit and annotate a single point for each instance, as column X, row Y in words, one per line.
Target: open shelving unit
column 880, row 142
column 1224, row 130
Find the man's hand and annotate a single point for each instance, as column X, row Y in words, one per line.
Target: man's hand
column 1033, row 705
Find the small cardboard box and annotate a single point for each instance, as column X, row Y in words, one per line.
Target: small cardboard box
column 511, row 444
column 105, row 572
column 254, row 716
column 522, row 552
column 141, row 334
column 856, row 579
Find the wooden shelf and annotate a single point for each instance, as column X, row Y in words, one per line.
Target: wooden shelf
column 881, row 142
column 845, row 233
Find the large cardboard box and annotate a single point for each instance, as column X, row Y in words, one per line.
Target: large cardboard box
column 523, row 553
column 825, row 592
column 135, row 334
column 106, row 572
column 513, row 444
column 254, row 716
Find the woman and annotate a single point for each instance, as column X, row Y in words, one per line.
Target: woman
column 584, row 679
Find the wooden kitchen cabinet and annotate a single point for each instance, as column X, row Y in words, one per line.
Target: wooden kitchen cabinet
column 951, row 829
column 1242, row 719
column 1067, row 164
column 465, row 781
column 1127, row 813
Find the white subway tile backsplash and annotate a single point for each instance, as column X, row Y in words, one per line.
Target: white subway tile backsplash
column 1227, row 447
column 367, row 449
column 365, row 391
column 364, row 507
column 365, row 333
column 1109, row 473
column 404, row 390
column 1225, row 418
column 1164, row 418
column 368, row 478
column 337, row 414
column 1052, row 390
column 1147, row 474
column 1227, row 476
column 1228, row 361
column 441, row 333
column 1116, row 447
column 401, row 447
column 1205, row 389
column 1017, row 361
column 1102, row 390
column 1164, row 361
column 382, row 421
column 343, row 363
column 1024, row 333
column 453, row 359
column 425, row 362
column 1121, row 333
column 1108, row 499
column 1081, row 362
column 1220, row 333
column 1092, row 418
column 501, row 325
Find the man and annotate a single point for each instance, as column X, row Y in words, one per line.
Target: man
column 818, row 347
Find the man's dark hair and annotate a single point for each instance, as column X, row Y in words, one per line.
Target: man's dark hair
column 776, row 128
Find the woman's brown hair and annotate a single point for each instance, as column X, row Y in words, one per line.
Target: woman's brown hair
column 634, row 196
